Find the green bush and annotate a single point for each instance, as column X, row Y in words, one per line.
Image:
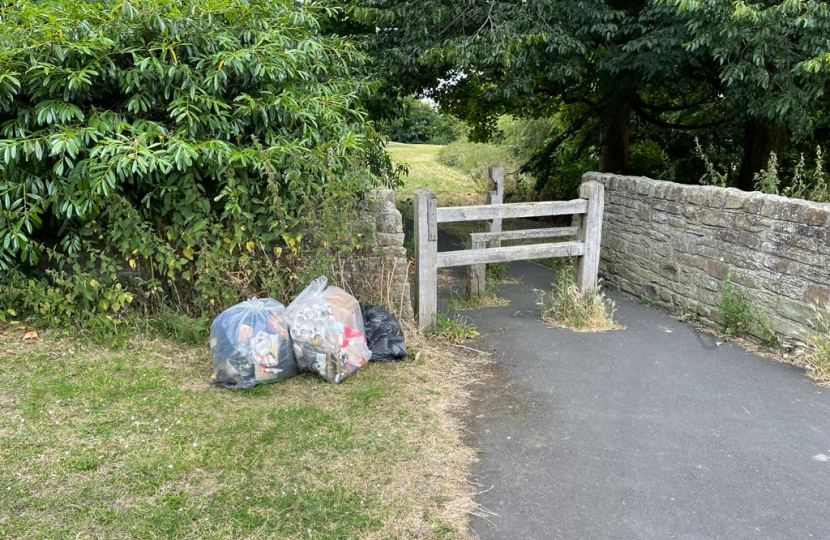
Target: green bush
column 740, row 317
column 420, row 123
column 187, row 153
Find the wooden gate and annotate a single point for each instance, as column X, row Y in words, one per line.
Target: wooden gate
column 428, row 260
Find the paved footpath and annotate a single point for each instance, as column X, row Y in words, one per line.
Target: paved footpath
column 652, row 432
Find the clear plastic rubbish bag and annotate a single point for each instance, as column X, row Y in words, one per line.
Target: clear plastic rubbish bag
column 251, row 344
column 383, row 334
column 327, row 330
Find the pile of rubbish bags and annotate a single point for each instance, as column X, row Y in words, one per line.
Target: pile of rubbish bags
column 324, row 330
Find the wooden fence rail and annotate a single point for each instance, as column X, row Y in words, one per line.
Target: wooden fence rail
column 428, row 260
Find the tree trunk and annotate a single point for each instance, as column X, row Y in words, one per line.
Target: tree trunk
column 760, row 139
column 615, row 149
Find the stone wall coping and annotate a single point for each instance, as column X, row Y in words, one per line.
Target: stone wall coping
column 708, row 196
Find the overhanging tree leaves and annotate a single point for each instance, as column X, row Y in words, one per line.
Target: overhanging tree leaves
column 676, row 65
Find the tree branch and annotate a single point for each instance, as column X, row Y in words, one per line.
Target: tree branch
column 637, row 108
column 672, row 108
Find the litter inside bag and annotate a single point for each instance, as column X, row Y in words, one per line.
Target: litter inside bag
column 327, row 329
column 383, row 335
column 251, row 344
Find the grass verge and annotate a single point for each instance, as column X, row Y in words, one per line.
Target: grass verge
column 134, row 443
column 816, row 350
column 566, row 306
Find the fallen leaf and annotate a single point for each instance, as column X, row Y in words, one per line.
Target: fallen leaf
column 31, row 334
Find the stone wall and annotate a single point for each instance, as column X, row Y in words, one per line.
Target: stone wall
column 674, row 244
column 380, row 274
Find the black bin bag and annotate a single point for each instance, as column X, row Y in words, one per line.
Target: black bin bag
column 383, row 335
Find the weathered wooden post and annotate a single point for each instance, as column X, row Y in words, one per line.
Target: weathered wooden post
column 590, row 233
column 476, row 273
column 496, row 195
column 426, row 256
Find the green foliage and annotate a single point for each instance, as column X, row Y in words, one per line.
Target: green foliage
column 798, row 188
column 476, row 158
column 767, row 180
column 817, row 345
column 712, row 177
column 173, row 325
column 627, row 85
column 497, row 272
column 771, row 57
column 819, row 188
column 454, row 330
column 420, row 122
column 565, row 305
column 648, row 158
column 525, row 137
column 740, row 317
column 188, row 153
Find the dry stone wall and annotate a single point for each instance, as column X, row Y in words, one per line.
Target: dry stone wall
column 380, row 274
column 674, row 245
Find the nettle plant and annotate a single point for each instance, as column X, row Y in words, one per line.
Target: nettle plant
column 186, row 153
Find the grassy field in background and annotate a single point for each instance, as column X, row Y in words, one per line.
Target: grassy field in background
column 455, row 187
column 134, row 443
column 452, row 187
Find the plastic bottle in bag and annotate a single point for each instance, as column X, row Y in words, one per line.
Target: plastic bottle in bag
column 251, row 344
column 327, row 330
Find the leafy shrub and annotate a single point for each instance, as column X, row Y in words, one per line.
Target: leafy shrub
column 712, row 176
column 186, row 153
column 648, row 158
column 740, row 317
column 420, row 122
column 565, row 305
column 767, row 180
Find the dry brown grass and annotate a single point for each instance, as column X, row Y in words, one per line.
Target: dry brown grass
column 89, row 432
column 816, row 349
column 487, row 299
column 565, row 306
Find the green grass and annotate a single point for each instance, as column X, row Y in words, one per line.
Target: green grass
column 134, row 443
column 740, row 317
column 816, row 349
column 452, row 187
column 453, row 329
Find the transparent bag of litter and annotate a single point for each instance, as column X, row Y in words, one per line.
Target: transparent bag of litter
column 251, row 344
column 327, row 331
